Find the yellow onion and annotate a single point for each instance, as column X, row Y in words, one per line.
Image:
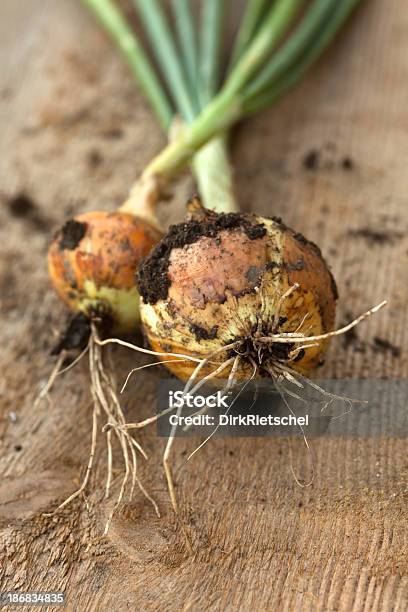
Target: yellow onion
column 92, row 261
column 236, row 279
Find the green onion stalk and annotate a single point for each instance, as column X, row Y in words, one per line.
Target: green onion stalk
column 275, row 45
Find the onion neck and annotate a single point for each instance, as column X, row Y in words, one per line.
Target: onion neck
column 201, row 144
column 214, row 175
column 142, row 201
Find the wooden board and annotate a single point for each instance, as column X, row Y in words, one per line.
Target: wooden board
column 74, row 133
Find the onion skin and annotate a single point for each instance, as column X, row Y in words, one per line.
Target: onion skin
column 226, row 284
column 92, row 261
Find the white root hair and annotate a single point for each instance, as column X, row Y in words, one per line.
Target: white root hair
column 45, row 391
column 106, row 402
column 280, row 372
column 214, row 431
column 57, row 371
column 293, row 337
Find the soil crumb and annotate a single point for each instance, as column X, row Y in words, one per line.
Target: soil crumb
column 351, row 338
column 22, row 206
column 376, row 236
column 113, row 133
column 203, row 334
column 325, row 159
column 385, row 346
column 94, row 159
column 311, row 160
column 347, row 164
column 71, row 234
column 75, row 336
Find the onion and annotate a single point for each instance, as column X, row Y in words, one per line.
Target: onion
column 92, row 261
column 242, row 282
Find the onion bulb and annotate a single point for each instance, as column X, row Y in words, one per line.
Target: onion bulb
column 92, row 261
column 238, row 281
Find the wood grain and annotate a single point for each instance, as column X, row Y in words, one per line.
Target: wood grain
column 262, row 543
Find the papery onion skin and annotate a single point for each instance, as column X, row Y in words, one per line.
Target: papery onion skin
column 92, row 261
column 216, row 285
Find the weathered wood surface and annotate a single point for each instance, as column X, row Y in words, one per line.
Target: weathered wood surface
column 74, row 133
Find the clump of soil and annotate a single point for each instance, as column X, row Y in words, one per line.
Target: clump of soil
column 22, row 206
column 376, row 236
column 385, row 346
column 75, row 336
column 204, row 334
column 347, row 163
column 94, row 158
column 113, row 133
column 71, row 234
column 351, row 338
column 311, row 160
column 152, row 278
column 315, row 160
